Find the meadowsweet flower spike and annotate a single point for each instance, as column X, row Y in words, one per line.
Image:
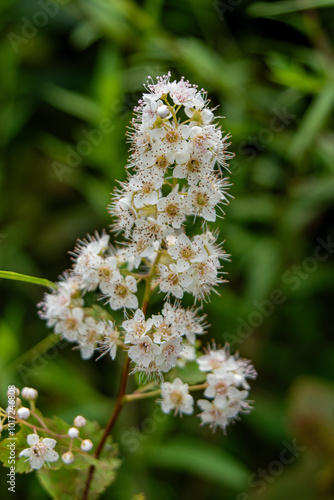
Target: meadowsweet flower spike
column 175, row 188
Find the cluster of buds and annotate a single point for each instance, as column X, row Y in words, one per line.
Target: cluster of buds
column 41, row 449
column 175, row 176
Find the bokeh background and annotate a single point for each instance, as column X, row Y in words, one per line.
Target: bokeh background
column 66, row 67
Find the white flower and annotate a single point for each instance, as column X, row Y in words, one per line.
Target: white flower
column 135, row 327
column 216, row 414
column 188, row 354
column 88, row 337
column 223, row 409
column 143, row 351
column 69, row 325
column 149, row 110
column 183, row 92
column 165, row 326
column 121, row 293
column 175, row 396
column 213, row 360
column 125, row 214
column 190, row 323
column 238, row 369
column 185, row 252
column 160, row 88
column 205, row 138
column 145, row 185
column 202, row 200
column 55, row 305
column 171, row 281
column 192, row 165
column 199, row 116
column 40, row 451
column 172, row 209
column 170, row 351
column 108, row 342
column 95, row 270
column 204, row 277
column 93, row 245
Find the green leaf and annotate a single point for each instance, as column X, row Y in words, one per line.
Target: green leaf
column 9, row 275
column 265, row 9
column 20, row 442
column 73, row 103
column 190, row 374
column 66, row 483
column 312, row 122
column 201, row 459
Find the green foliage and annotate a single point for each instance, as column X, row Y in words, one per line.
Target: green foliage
column 28, row 279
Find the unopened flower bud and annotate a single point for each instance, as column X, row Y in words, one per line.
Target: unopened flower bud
column 23, row 413
column 79, row 421
column 68, row 457
column 86, row 445
column 29, row 393
column 13, row 392
column 73, row 432
column 163, row 111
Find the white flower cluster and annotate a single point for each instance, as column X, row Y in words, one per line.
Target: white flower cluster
column 175, row 177
column 41, row 449
column 157, row 343
column 227, row 387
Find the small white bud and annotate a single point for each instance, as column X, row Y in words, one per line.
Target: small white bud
column 13, row 392
column 23, row 413
column 79, row 421
column 73, row 432
column 86, row 445
column 163, row 111
column 68, row 457
column 29, row 393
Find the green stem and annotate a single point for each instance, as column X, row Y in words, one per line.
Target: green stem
column 136, row 395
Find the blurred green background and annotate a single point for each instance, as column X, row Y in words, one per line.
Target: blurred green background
column 66, row 67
